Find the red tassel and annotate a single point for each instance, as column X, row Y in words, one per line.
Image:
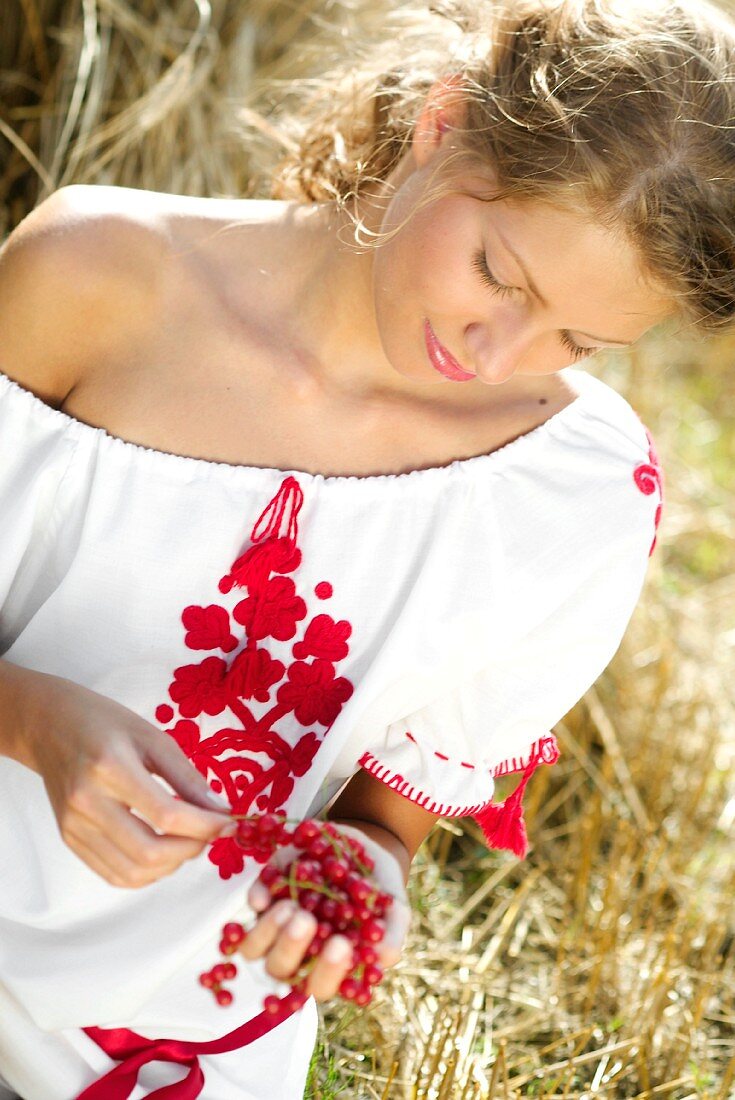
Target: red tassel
column 502, row 823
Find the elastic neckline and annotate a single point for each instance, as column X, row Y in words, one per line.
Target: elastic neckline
column 584, row 383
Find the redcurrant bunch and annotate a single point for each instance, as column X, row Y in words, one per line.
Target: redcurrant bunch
column 329, row 878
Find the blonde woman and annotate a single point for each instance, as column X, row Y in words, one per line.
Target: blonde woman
column 305, row 509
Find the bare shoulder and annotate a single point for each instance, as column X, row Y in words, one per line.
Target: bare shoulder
column 78, row 277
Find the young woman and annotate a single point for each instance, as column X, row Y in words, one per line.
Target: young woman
column 304, row 492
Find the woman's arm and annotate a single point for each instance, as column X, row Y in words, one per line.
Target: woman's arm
column 396, row 823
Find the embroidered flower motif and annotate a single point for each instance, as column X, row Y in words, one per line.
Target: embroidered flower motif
column 272, row 611
column 202, row 687
column 313, row 693
column 186, row 734
column 208, row 628
column 324, row 638
column 253, row 673
column 649, row 478
column 302, row 756
column 226, row 855
column 249, row 761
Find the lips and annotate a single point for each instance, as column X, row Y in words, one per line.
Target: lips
column 442, row 360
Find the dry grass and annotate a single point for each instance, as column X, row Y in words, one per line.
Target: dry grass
column 604, row 965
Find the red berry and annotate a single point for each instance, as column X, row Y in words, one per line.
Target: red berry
column 267, row 824
column 227, row 948
column 269, row 874
column 324, row 930
column 319, row 847
column 358, row 888
column 309, row 900
column 345, row 913
column 303, row 871
column 335, row 870
column 364, row 995
column 349, row 987
column 233, row 932
column 372, row 931
column 371, row 975
column 314, row 948
column 352, row 935
column 305, row 832
column 357, row 847
column 327, row 909
column 219, row 972
column 230, row 971
column 246, row 832
column 206, row 979
column 224, row 997
column 363, row 913
column 332, row 830
column 367, row 954
column 272, row 1005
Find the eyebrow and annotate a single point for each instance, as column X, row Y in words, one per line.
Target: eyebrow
column 537, row 293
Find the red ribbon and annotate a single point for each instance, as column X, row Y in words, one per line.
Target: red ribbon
column 133, row 1052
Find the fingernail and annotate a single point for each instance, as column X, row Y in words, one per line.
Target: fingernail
column 336, row 951
column 283, row 916
column 300, row 925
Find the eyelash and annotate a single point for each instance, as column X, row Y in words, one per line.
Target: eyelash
column 480, row 265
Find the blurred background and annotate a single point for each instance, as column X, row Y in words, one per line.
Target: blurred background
column 603, row 965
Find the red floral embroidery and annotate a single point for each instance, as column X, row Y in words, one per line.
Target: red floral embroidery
column 313, row 693
column 273, row 609
column 198, row 688
column 323, row 590
column 253, row 673
column 208, row 628
column 249, row 760
column 649, row 478
column 324, row 638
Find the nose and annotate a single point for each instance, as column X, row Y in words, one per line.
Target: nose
column 497, row 352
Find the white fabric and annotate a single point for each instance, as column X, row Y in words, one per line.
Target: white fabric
column 483, row 598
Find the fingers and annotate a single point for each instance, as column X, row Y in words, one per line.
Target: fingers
column 167, row 759
column 332, row 965
column 283, row 935
column 132, row 785
column 262, row 937
column 113, row 832
column 110, row 865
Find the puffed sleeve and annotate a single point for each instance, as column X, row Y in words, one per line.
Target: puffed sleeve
column 36, row 449
column 585, row 570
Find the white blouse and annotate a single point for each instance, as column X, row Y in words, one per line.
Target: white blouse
column 287, row 629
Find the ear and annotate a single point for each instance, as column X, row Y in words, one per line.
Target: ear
column 443, row 111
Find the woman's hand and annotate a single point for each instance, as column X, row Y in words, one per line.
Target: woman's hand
column 97, row 760
column 283, row 932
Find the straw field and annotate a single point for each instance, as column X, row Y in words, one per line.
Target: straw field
column 602, row 966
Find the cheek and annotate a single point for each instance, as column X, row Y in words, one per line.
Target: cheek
column 428, row 267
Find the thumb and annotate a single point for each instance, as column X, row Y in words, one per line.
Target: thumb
column 171, row 763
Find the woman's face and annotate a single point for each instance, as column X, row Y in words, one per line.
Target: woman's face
column 475, row 289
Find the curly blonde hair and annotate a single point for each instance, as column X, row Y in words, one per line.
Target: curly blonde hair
column 623, row 109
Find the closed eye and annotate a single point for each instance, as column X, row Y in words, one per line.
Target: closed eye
column 480, row 264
